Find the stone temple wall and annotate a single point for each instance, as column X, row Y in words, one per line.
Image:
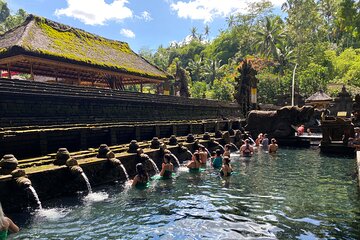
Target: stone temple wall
column 28, row 103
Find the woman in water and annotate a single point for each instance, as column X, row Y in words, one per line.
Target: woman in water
column 167, row 167
column 246, row 149
column 203, row 154
column 6, row 224
column 227, row 150
column 226, row 168
column 195, row 163
column 142, row 177
column 259, row 139
column 217, row 162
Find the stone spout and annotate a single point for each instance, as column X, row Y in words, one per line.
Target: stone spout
column 8, row 164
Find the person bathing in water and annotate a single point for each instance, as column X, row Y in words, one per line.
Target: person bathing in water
column 217, row 162
column 265, row 143
column 167, row 167
column 6, row 225
column 246, row 149
column 142, row 177
column 203, row 154
column 273, row 147
column 227, row 150
column 226, row 168
column 195, row 163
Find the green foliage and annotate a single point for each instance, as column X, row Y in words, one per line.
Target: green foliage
column 322, row 37
column 223, row 89
column 198, row 89
column 8, row 21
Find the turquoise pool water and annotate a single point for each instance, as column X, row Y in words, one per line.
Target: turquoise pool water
column 297, row 194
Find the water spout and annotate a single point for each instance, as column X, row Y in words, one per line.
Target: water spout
column 87, row 182
column 36, row 196
column 154, row 166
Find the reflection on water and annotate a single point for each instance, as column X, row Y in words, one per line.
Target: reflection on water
column 294, row 194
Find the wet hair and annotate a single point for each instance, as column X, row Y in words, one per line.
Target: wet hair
column 273, row 140
column 202, row 147
column 197, row 156
column 213, row 153
column 246, row 141
column 265, row 135
column 226, row 160
column 167, row 158
column 218, row 152
column 228, row 146
column 143, row 175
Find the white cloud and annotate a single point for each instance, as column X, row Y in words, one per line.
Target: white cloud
column 146, row 16
column 95, row 12
column 207, row 10
column 127, row 33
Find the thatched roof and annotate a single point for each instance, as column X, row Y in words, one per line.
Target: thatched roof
column 319, row 96
column 45, row 39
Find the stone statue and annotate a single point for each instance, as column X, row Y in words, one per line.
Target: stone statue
column 182, row 81
column 244, row 82
column 278, row 123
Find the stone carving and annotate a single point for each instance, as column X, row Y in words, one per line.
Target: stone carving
column 62, row 156
column 8, row 164
column 278, row 123
column 244, row 82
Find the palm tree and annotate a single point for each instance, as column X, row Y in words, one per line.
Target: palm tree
column 231, row 21
column 194, row 34
column 207, row 31
column 211, row 70
column 268, row 37
column 195, row 68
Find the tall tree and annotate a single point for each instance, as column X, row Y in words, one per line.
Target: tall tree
column 269, row 36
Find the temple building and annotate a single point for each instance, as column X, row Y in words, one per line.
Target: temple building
column 50, row 51
column 319, row 100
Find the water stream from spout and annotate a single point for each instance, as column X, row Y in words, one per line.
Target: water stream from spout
column 125, row 172
column 87, row 182
column 188, row 151
column 36, row 197
column 237, row 149
column 154, row 166
column 176, row 159
column 219, row 145
column 208, row 152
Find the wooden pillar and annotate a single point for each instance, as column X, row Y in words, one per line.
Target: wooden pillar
column 31, row 71
column 141, row 87
column 9, row 72
column 79, row 80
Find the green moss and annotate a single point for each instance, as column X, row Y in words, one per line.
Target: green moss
column 77, row 45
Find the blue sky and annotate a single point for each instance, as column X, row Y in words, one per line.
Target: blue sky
column 141, row 23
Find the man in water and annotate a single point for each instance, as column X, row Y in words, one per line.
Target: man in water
column 265, row 143
column 273, row 147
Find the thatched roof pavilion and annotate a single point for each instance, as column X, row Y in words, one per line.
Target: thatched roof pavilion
column 319, row 99
column 41, row 47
